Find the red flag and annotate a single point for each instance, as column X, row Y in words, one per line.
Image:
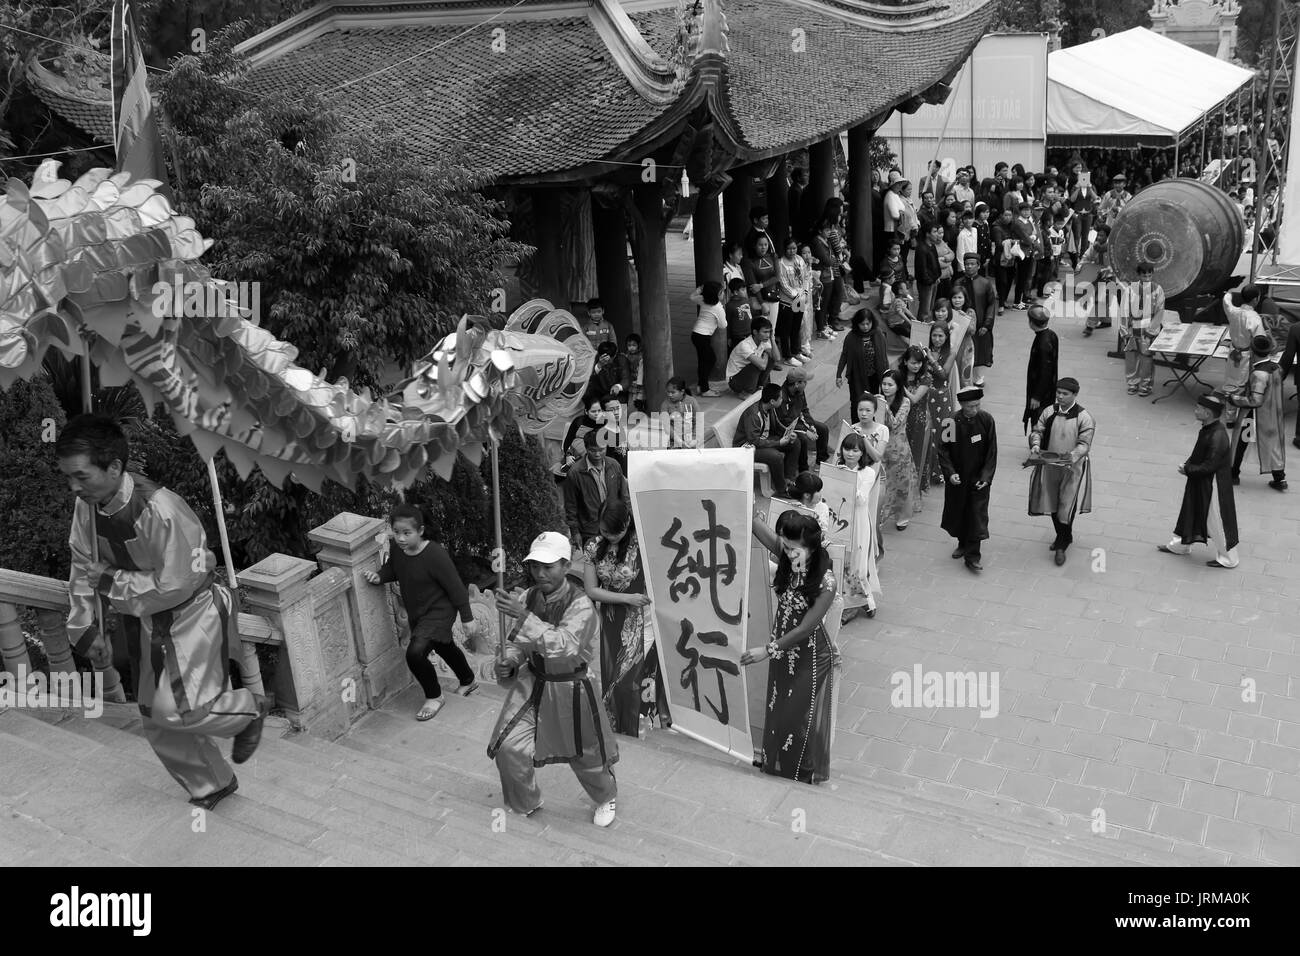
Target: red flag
column 135, row 129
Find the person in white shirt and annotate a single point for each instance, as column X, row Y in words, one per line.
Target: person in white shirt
column 711, row 320
column 967, row 237
column 962, row 188
column 751, row 363
column 900, row 217
column 1244, row 323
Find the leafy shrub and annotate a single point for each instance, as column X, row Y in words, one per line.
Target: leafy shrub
column 34, row 499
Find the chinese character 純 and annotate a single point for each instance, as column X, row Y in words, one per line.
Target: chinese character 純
column 686, row 570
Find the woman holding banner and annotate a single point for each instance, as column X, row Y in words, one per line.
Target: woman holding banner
column 863, row 579
column 799, row 720
column 901, row 479
column 629, row 661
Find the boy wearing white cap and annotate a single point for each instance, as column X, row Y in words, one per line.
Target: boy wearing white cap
column 553, row 713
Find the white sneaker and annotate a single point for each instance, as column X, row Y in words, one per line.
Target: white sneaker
column 793, row 362
column 604, row 814
column 806, row 353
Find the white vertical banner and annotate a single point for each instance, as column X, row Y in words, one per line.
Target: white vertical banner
column 693, row 510
column 1287, row 240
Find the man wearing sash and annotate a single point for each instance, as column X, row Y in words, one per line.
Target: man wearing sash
column 155, row 569
column 1208, row 512
column 1063, row 491
column 553, row 713
column 1244, row 324
column 1260, row 418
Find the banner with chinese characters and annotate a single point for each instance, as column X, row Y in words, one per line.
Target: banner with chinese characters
column 693, row 512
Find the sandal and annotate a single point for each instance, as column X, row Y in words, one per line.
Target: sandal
column 430, row 710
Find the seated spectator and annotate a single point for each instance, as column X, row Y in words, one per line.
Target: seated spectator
column 679, row 416
column 603, row 420
column 597, row 326
column 751, row 362
column 773, row 446
column 592, row 480
column 793, row 415
column 893, row 262
column 610, row 378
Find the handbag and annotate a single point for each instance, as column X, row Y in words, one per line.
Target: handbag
column 771, row 295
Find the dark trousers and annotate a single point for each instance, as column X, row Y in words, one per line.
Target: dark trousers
column 833, row 301
column 750, row 379
column 821, row 446
column 1003, row 276
column 1064, row 533
column 970, row 549
column 787, row 331
column 704, row 357
column 1044, row 272
column 782, row 462
column 435, row 636
column 1024, row 278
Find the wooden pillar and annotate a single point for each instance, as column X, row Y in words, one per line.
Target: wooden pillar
column 860, row 196
column 609, row 230
column 778, row 207
column 821, row 182
column 708, row 237
column 735, row 205
column 547, row 261
column 651, row 254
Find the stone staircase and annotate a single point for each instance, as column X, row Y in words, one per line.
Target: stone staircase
column 78, row 791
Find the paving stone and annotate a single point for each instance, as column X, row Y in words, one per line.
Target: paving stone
column 931, row 766
column 1282, row 759
column 1127, row 811
column 1253, row 728
column 1080, row 717
column 1027, row 787
column 1234, row 837
column 1107, row 776
column 1045, row 736
column 1179, row 824
column 919, row 733
column 1265, row 812
column 1070, row 798
column 1013, row 756
column 1174, row 737
column 1198, row 717
column 1159, row 709
column 978, row 776
column 1219, row 801
column 1133, row 753
column 965, row 744
column 1225, row 747
column 1129, row 726
column 1281, row 848
column 886, row 754
column 1096, row 746
column 1064, row 767
column 1158, row 787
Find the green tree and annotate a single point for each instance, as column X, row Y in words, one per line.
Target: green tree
column 34, row 496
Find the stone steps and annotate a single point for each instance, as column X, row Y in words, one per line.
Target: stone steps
column 397, row 792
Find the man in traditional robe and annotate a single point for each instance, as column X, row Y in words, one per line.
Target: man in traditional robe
column 1141, row 317
column 553, row 712
column 1063, row 491
column 1261, row 417
column 155, row 569
column 1040, row 372
column 968, row 461
column 1208, row 512
column 1290, row 365
column 982, row 296
column 1244, row 324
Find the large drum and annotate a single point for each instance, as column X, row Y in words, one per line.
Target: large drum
column 1191, row 233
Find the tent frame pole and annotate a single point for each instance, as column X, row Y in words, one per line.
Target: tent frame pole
column 1261, row 181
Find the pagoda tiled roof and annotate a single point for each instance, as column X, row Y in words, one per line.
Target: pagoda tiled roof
column 581, row 87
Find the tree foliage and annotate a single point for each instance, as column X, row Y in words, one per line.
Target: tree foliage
column 34, row 499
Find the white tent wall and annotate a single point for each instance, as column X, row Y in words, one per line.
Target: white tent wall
column 997, row 112
column 1135, row 83
column 1288, row 237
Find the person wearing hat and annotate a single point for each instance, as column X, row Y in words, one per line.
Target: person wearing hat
column 1140, row 318
column 793, row 414
column 1261, row 418
column 592, row 480
column 1040, row 373
column 968, row 455
column 1114, row 201
column 1244, row 323
column 1063, row 491
column 553, row 711
column 982, row 298
column 900, row 216
column 1209, row 512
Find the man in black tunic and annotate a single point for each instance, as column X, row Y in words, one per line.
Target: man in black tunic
column 1209, row 512
column 1040, row 374
column 968, row 463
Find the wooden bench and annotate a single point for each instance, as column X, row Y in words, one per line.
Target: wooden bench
column 722, row 434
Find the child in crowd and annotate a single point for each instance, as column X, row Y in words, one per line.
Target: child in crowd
column 636, row 369
column 711, row 318
column 680, row 415
column 597, row 327
column 1056, row 244
column 739, row 315
column 432, row 593
column 900, row 316
column 809, row 489
column 893, row 261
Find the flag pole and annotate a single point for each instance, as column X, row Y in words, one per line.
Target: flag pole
column 499, row 555
column 87, row 406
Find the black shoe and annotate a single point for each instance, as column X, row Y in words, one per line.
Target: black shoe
column 1060, row 557
column 1296, row 442
column 974, row 564
column 1278, row 484
column 1086, row 331
column 1216, row 564
column 211, row 800
column 1236, row 479
column 246, row 740
column 869, row 612
column 959, row 553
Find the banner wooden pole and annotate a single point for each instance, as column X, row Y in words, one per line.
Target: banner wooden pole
column 87, row 406
column 499, row 555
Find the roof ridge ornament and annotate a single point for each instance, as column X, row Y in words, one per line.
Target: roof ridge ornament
column 687, row 46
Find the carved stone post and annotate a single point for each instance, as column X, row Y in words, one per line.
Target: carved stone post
column 317, row 659
column 348, row 542
column 13, row 649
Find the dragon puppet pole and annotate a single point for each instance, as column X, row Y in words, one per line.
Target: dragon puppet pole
column 219, row 510
column 499, row 555
column 88, row 406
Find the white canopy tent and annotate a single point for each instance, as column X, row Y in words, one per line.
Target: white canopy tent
column 1131, row 88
